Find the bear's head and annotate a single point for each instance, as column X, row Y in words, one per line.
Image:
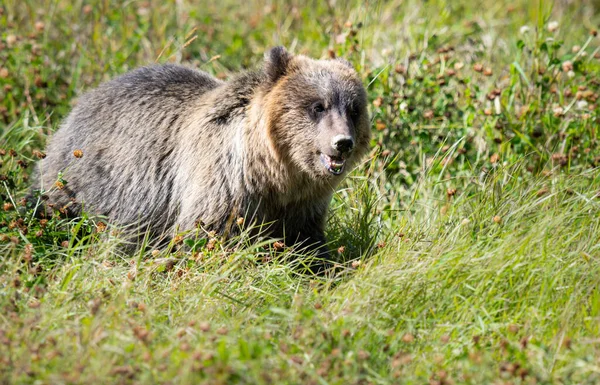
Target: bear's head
column 317, row 113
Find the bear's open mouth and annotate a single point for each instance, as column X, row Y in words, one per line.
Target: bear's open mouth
column 333, row 165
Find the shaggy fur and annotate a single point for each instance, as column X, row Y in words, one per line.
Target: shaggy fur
column 167, row 147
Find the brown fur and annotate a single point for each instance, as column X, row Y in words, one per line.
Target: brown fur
column 166, row 147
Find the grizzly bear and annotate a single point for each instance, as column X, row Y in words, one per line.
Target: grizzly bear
column 168, row 148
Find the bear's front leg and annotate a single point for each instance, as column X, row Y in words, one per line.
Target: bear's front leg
column 314, row 245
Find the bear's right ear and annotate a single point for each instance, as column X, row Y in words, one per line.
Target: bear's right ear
column 276, row 64
column 345, row 62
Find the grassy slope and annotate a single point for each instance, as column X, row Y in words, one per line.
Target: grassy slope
column 470, row 238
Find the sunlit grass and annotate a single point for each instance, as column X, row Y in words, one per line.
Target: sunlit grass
column 467, row 245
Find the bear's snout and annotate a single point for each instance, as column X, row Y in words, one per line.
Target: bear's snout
column 342, row 143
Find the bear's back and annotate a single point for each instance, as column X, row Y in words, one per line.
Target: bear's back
column 168, row 80
column 163, row 87
column 127, row 129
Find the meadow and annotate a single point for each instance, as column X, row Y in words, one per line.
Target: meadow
column 467, row 244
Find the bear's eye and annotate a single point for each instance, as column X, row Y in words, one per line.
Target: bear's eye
column 317, row 109
column 353, row 111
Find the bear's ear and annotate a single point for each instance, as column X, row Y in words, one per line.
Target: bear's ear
column 276, row 64
column 345, row 62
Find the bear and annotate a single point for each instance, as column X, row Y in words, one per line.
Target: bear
column 168, row 148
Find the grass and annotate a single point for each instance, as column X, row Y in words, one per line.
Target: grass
column 468, row 242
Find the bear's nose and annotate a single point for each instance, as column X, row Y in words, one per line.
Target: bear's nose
column 342, row 143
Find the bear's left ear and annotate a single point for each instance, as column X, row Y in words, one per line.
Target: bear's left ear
column 276, row 64
column 345, row 62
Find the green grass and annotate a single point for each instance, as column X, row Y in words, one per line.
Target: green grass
column 468, row 242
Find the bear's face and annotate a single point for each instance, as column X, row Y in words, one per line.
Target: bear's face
column 318, row 114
